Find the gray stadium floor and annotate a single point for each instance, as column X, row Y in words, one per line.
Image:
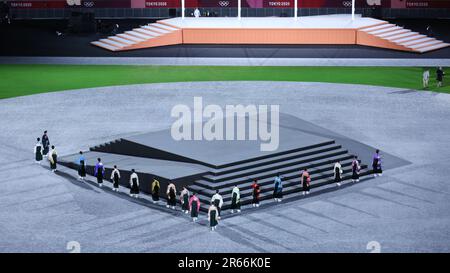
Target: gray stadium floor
column 406, row 210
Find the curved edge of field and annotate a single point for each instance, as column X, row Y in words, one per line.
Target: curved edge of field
column 22, row 80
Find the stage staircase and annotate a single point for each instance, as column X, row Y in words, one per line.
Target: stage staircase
column 151, row 35
column 319, row 160
column 382, row 34
column 391, row 36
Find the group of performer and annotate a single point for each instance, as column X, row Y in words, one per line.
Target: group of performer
column 42, row 150
column 338, row 172
column 190, row 203
column 439, row 77
column 356, row 168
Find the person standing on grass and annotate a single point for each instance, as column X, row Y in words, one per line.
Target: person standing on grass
column 235, row 200
column 355, row 169
column 99, row 172
column 213, row 217
column 278, row 189
column 194, row 205
column 53, row 158
column 256, row 191
column 45, row 143
column 376, row 164
column 439, row 76
column 115, row 178
column 134, row 184
column 155, row 191
column 171, row 196
column 425, row 78
column 338, row 173
column 217, row 200
column 81, row 166
column 184, row 199
column 306, row 181
column 38, row 151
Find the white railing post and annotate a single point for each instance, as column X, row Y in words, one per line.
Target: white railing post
column 353, row 10
column 182, row 9
column 239, row 9
column 295, row 9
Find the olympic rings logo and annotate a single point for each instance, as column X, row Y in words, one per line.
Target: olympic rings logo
column 347, row 3
column 88, row 4
column 224, row 3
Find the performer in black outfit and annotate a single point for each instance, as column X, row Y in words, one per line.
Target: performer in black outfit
column 38, row 151
column 306, row 181
column 81, row 167
column 45, row 143
column 376, row 164
column 213, row 217
column 115, row 177
column 184, row 199
column 53, row 158
column 355, row 169
column 171, row 196
column 255, row 194
column 338, row 173
column 235, row 199
column 155, row 190
column 278, row 188
column 134, row 184
column 194, row 205
column 99, row 172
column 217, row 200
column 439, row 76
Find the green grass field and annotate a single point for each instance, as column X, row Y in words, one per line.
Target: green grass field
column 20, row 80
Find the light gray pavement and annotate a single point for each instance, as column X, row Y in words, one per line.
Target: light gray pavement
column 406, row 210
column 226, row 61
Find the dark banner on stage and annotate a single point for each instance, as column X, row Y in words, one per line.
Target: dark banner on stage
column 427, row 4
column 38, row 4
column 324, row 3
column 34, row 4
column 162, row 4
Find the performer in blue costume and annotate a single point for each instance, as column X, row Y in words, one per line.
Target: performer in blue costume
column 99, row 172
column 376, row 164
column 278, row 189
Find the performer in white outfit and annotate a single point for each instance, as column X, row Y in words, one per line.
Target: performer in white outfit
column 134, row 184
column 338, row 173
column 115, row 178
column 426, row 78
column 217, row 200
column 38, row 151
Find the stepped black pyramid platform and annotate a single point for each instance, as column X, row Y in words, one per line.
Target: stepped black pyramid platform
column 204, row 166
